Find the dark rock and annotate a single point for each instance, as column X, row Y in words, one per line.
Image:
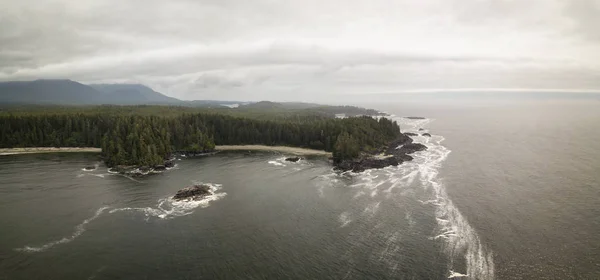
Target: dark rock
column 420, row 129
column 415, row 118
column 368, row 163
column 292, row 159
column 193, row 192
column 123, row 169
column 411, row 148
column 410, row 134
column 426, row 134
column 169, row 163
column 89, row 168
column 160, row 168
column 397, row 152
column 144, row 169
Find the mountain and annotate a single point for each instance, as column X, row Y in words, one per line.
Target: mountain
column 129, row 94
column 262, row 105
column 67, row 92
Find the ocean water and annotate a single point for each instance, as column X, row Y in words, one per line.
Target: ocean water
column 506, row 190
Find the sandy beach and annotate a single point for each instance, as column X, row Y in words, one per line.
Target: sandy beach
column 283, row 149
column 37, row 150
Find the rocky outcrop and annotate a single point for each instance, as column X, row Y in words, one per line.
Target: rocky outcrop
column 426, row 134
column 195, row 154
column 394, row 154
column 138, row 171
column 194, row 192
column 406, row 149
column 293, row 159
column 368, row 163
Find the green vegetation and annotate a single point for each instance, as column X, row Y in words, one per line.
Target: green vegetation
column 147, row 135
column 345, row 148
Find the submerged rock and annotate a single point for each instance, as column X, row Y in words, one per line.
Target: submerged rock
column 426, row 134
column 420, row 129
column 410, row 134
column 293, row 159
column 89, row 168
column 415, row 118
column 193, row 192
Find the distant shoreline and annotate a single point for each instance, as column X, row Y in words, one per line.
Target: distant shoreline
column 39, row 150
column 284, row 149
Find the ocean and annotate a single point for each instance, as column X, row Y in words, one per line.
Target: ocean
column 507, row 189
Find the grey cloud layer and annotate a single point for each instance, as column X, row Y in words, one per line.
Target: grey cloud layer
column 291, row 50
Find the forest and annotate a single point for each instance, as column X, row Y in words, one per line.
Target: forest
column 147, row 135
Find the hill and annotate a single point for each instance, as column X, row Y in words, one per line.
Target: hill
column 64, row 92
column 131, row 94
column 67, row 92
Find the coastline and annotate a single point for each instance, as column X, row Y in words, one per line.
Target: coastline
column 39, row 150
column 284, row 149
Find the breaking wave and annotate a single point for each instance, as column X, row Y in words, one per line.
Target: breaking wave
column 166, row 208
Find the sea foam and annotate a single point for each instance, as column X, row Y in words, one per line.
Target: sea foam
column 166, row 208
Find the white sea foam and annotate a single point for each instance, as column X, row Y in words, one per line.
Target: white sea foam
column 79, row 229
column 345, row 219
column 454, row 274
column 166, row 208
column 277, row 163
column 169, row 208
column 459, row 240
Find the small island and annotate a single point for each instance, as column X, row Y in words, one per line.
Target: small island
column 195, row 192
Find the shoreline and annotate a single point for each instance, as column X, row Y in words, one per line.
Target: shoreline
column 39, row 150
column 284, row 149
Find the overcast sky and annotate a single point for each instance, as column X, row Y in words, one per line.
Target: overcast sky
column 310, row 50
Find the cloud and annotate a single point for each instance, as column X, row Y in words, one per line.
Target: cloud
column 303, row 50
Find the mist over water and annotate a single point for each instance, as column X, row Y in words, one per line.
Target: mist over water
column 504, row 191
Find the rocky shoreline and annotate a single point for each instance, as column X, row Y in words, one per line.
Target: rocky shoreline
column 136, row 171
column 395, row 153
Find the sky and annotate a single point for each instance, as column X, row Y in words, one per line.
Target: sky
column 305, row 50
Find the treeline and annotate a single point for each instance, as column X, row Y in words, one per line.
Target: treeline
column 128, row 139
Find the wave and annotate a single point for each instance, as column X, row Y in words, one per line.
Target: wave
column 459, row 239
column 419, row 180
column 166, row 208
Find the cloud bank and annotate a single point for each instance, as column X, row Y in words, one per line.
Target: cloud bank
column 304, row 50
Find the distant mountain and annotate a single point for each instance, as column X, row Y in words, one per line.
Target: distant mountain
column 128, row 94
column 64, row 92
column 262, row 105
column 67, row 92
